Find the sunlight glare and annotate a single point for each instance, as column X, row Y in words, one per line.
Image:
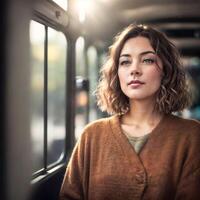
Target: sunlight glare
column 62, row 3
column 83, row 6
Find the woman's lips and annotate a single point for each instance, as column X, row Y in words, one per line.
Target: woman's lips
column 135, row 83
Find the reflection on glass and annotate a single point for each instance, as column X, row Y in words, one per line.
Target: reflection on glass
column 62, row 3
column 56, row 94
column 93, row 79
column 37, row 90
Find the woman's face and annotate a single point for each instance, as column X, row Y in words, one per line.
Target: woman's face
column 139, row 70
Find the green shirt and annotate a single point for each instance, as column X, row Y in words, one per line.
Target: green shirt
column 137, row 142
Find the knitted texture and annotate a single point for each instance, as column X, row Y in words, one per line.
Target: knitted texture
column 104, row 166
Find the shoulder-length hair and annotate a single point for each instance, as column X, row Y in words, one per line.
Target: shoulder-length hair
column 173, row 93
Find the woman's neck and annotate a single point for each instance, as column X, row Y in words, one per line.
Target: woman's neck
column 142, row 113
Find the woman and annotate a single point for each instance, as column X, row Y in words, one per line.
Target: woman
column 142, row 151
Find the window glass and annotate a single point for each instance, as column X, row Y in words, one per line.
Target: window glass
column 62, row 3
column 102, row 58
column 56, row 95
column 81, row 117
column 93, row 79
column 192, row 65
column 80, row 57
column 37, row 91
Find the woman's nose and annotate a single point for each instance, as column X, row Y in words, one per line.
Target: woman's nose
column 135, row 69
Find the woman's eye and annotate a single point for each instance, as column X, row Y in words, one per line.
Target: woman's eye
column 148, row 61
column 125, row 62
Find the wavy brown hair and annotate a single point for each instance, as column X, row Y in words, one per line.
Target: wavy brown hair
column 173, row 94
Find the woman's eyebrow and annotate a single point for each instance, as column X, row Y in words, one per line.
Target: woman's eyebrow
column 141, row 54
column 147, row 52
column 125, row 55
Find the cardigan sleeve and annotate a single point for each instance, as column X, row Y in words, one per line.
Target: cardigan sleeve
column 189, row 183
column 72, row 186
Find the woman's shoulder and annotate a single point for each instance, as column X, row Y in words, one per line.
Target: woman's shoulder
column 184, row 125
column 185, row 122
column 98, row 130
column 99, row 123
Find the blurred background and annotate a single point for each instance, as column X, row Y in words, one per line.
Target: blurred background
column 52, row 51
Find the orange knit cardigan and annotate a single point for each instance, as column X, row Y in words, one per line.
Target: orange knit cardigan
column 104, row 165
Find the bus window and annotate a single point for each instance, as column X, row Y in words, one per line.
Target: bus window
column 192, row 65
column 93, row 72
column 48, row 80
column 81, row 117
column 37, row 93
column 56, row 95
